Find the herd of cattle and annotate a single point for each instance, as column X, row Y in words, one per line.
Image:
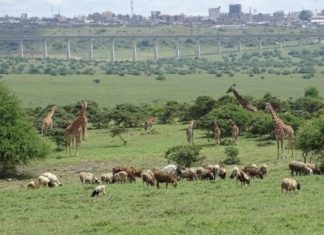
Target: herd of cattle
column 171, row 174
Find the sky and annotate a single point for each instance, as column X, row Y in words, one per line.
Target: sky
column 42, row 8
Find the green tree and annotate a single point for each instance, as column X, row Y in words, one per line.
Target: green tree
column 310, row 139
column 305, row 15
column 118, row 131
column 311, row 92
column 19, row 141
column 184, row 155
column 202, row 106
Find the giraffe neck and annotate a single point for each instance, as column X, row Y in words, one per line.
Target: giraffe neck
column 240, row 98
column 277, row 121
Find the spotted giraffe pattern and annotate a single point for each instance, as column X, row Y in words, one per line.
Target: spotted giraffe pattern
column 244, row 102
column 48, row 120
column 235, row 131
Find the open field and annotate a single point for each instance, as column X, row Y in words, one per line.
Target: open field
column 218, row 207
column 41, row 90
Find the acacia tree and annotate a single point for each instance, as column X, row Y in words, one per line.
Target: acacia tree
column 310, row 139
column 19, row 141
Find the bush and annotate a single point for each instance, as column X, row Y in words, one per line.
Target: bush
column 184, row 155
column 231, row 153
column 311, row 92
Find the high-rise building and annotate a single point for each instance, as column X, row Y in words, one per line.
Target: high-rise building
column 213, row 13
column 235, row 9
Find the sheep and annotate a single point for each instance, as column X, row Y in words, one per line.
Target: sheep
column 99, row 189
column 171, row 169
column 32, row 184
column 299, row 168
column 214, row 168
column 52, row 184
column 53, row 178
column 130, row 171
column 205, row 173
column 263, row 169
column 164, row 177
column 235, row 172
column 316, row 170
column 120, row 177
column 243, row 178
column 88, row 177
column 222, row 173
column 252, row 170
column 43, row 181
column 288, row 185
column 148, row 178
column 189, row 174
column 107, row 178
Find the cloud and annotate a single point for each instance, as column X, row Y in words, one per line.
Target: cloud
column 54, row 2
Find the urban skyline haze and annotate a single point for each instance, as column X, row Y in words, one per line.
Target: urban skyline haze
column 70, row 8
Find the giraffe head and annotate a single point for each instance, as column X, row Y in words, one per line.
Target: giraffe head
column 231, row 122
column 231, row 89
column 268, row 106
column 54, row 108
column 84, row 105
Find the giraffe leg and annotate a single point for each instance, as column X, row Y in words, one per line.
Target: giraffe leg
column 277, row 149
column 282, row 149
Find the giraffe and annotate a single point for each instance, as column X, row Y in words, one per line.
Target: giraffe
column 244, row 102
column 282, row 131
column 189, row 132
column 216, row 133
column 76, row 130
column 48, row 120
column 234, row 130
column 84, row 119
column 149, row 123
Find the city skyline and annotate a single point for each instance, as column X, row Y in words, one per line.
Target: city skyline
column 45, row 8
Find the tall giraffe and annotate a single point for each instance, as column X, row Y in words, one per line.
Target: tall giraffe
column 48, row 120
column 244, row 102
column 282, row 131
column 189, row 132
column 235, row 131
column 216, row 133
column 149, row 123
column 84, row 120
column 76, row 130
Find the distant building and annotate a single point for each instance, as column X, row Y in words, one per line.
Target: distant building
column 24, row 15
column 235, row 9
column 155, row 15
column 319, row 19
column 279, row 14
column 213, row 13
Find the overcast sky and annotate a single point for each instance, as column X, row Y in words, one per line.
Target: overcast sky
column 144, row 7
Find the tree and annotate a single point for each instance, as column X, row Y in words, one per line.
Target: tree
column 231, row 153
column 305, row 15
column 311, row 92
column 184, row 155
column 310, row 139
column 202, row 106
column 19, row 141
column 118, row 131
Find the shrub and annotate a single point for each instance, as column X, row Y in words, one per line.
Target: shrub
column 231, row 153
column 184, row 155
column 311, row 92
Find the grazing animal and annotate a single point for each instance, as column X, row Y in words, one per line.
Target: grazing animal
column 88, row 177
column 243, row 178
column 235, row 172
column 188, row 174
column 53, row 178
column 148, row 178
column 263, row 169
column 171, row 169
column 222, row 173
column 244, row 102
column 32, row 184
column 288, row 185
column 120, row 177
column 216, row 133
column 235, row 131
column 252, row 171
column 299, row 168
column 99, row 189
column 205, row 173
column 189, row 132
column 316, row 170
column 164, row 177
column 215, row 169
column 281, row 132
column 43, row 181
column 48, row 120
column 107, row 178
column 130, row 170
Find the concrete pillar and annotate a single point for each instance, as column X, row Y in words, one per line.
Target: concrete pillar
column 21, row 48
column 91, row 49
column 281, row 43
column 68, row 49
column 198, row 51
column 240, row 45
column 112, row 55
column 177, row 50
column 219, row 47
column 134, row 52
column 155, row 52
column 45, row 55
column 260, row 45
column 300, row 42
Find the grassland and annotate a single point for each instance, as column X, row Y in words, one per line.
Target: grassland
column 41, row 90
column 218, row 207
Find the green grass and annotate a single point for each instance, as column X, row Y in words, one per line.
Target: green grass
column 41, row 90
column 199, row 207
